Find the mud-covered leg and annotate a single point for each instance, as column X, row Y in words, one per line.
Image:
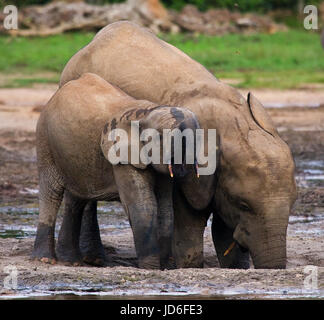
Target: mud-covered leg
column 164, row 191
column 223, row 238
column 90, row 242
column 67, row 248
column 189, row 226
column 50, row 198
column 136, row 191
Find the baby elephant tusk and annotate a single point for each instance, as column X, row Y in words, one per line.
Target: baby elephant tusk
column 230, row 248
column 170, row 170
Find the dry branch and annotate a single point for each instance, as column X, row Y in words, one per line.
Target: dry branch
column 57, row 17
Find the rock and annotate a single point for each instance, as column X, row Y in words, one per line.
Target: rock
column 245, row 22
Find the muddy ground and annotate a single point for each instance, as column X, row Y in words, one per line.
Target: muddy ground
column 299, row 116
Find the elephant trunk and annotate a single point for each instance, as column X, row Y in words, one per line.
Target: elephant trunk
column 270, row 253
column 266, row 242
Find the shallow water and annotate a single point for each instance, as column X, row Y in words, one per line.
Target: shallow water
column 21, row 221
column 179, row 293
column 70, row 295
column 18, row 222
column 16, row 232
column 310, row 173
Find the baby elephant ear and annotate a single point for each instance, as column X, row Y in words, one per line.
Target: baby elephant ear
column 116, row 143
column 260, row 116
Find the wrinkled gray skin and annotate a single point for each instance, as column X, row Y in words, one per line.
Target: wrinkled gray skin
column 72, row 156
column 253, row 188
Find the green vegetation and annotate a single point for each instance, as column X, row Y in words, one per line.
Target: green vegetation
column 40, row 54
column 285, row 60
column 28, row 81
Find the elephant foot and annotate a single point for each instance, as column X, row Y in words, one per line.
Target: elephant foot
column 70, row 261
column 45, row 260
column 44, row 245
column 150, row 262
column 69, row 257
column 93, row 254
column 72, row 264
column 169, row 264
column 92, row 250
column 97, row 261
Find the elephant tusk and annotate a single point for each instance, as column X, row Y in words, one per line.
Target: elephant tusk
column 230, row 248
column 170, row 170
column 197, row 170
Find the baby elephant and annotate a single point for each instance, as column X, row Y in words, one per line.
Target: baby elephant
column 74, row 139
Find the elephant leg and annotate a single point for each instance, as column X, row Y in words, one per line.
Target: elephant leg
column 189, row 226
column 67, row 248
column 223, row 238
column 90, row 241
column 163, row 193
column 50, row 197
column 136, row 191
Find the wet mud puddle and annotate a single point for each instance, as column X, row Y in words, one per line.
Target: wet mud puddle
column 20, row 222
column 310, row 173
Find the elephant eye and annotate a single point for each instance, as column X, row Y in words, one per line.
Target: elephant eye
column 244, row 206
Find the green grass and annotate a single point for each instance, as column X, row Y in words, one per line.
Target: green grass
column 28, row 82
column 40, row 54
column 285, row 60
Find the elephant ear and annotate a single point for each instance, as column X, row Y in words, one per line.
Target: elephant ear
column 260, row 116
column 119, row 139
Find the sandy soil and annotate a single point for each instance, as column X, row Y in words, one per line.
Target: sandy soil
column 300, row 126
column 32, row 99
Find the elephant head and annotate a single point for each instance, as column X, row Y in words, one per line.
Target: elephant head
column 255, row 187
column 143, row 134
column 150, row 213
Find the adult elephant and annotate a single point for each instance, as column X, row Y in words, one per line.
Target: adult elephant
column 75, row 158
column 253, row 188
